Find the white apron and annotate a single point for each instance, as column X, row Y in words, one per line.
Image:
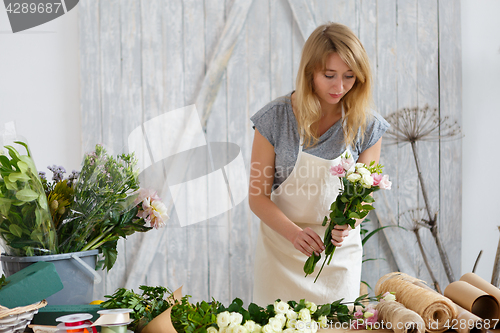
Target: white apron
column 305, row 198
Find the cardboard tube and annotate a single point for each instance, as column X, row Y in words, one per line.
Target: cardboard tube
column 484, row 285
column 466, row 321
column 473, row 299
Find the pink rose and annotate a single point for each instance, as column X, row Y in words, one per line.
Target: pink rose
column 337, row 170
column 347, row 163
column 376, row 179
column 384, row 183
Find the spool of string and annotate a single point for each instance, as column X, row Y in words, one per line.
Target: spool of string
column 400, row 319
column 436, row 310
column 75, row 323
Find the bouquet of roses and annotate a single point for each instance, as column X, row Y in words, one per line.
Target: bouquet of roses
column 358, row 182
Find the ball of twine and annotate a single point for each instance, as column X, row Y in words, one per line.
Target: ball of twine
column 436, row 310
column 400, row 319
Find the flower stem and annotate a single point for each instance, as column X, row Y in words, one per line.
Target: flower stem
column 323, row 265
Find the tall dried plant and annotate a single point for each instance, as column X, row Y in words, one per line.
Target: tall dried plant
column 411, row 125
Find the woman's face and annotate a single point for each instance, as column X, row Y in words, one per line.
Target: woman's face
column 332, row 83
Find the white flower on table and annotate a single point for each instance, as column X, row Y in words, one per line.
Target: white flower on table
column 281, row 307
column 275, row 324
column 282, row 318
column 250, row 326
column 311, row 306
column 290, row 314
column 305, row 314
column 267, row 329
column 223, row 319
column 211, row 329
column 323, row 322
column 236, row 318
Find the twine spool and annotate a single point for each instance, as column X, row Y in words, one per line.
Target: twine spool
column 400, row 319
column 436, row 310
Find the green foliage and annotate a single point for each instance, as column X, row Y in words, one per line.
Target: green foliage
column 26, row 225
column 3, row 281
column 151, row 303
column 194, row 318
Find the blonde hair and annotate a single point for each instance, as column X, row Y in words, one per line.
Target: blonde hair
column 325, row 40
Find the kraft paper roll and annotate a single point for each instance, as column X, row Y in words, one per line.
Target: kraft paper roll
column 484, row 285
column 466, row 321
column 398, row 318
column 163, row 322
column 436, row 310
column 473, row 299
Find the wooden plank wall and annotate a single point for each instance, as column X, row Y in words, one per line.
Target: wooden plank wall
column 140, row 59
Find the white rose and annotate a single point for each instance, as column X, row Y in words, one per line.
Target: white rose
column 300, row 326
column 360, row 165
column 353, row 177
column 282, row 318
column 323, row 322
column 291, row 323
column 305, row 314
column 290, row 314
column 258, row 328
column 311, row 306
column 249, row 325
column 232, row 328
column 275, row 324
column 363, row 171
column 240, row 329
column 289, row 330
column 236, row 318
column 223, row 319
column 223, row 329
column 314, row 326
column 267, row 329
column 281, row 307
column 388, row 296
column 367, row 181
column 211, row 329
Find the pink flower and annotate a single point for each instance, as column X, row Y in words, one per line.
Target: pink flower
column 376, row 178
column 146, row 193
column 153, row 210
column 358, row 314
column 358, row 324
column 347, row 163
column 337, row 170
column 384, row 183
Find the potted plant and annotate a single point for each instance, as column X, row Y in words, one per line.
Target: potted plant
column 69, row 221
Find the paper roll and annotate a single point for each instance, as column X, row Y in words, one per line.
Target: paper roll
column 484, row 285
column 436, row 310
column 398, row 318
column 466, row 321
column 473, row 299
column 163, row 322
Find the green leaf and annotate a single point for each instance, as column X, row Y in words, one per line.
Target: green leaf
column 367, row 237
column 18, row 176
column 5, row 206
column 367, row 207
column 4, row 160
column 16, row 230
column 354, row 215
column 27, row 195
column 369, row 199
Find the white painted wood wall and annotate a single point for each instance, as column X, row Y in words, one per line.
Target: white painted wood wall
column 140, row 59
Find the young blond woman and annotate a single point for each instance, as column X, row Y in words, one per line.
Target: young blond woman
column 298, row 137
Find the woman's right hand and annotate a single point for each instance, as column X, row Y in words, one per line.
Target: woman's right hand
column 307, row 241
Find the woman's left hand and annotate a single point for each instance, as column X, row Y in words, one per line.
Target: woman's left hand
column 339, row 233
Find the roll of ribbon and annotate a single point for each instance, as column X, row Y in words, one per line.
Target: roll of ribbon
column 113, row 317
column 75, row 323
column 436, row 310
column 114, row 329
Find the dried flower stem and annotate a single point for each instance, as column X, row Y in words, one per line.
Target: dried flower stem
column 426, row 261
column 495, row 278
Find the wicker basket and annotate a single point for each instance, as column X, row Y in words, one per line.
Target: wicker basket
column 15, row 320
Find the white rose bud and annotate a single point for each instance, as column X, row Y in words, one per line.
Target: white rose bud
column 223, row 329
column 236, row 318
column 305, row 314
column 232, row 328
column 314, row 326
column 323, row 322
column 388, row 296
column 367, row 181
column 258, row 328
column 281, row 307
column 290, row 314
column 223, row 319
column 291, row 323
column 267, row 329
column 363, row 171
column 240, row 329
column 275, row 324
column 282, row 318
column 289, row 330
column 359, row 165
column 311, row 306
column 249, row 325
column 353, row 177
column 211, row 329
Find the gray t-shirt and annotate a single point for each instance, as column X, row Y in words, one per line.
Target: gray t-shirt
column 277, row 123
